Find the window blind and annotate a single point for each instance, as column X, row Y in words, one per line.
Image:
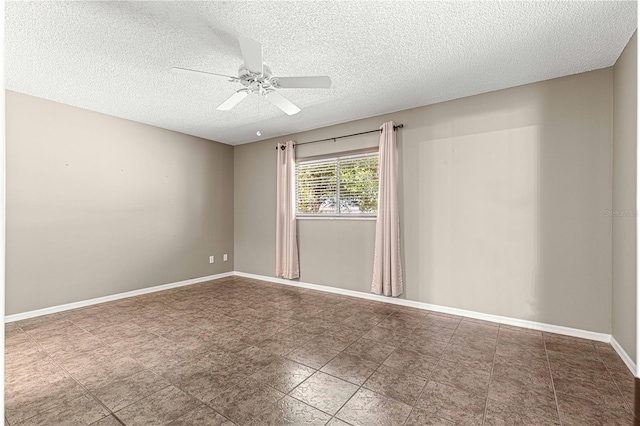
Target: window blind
column 339, row 186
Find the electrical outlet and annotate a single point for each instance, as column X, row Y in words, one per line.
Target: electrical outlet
column 211, row 259
column 224, row 257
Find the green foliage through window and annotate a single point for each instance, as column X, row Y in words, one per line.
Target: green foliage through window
column 338, row 186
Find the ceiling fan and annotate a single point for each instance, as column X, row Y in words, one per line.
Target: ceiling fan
column 256, row 78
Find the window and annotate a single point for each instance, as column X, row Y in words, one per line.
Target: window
column 342, row 186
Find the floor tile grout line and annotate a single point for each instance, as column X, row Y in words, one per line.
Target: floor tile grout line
column 448, row 345
column 553, row 386
column 176, row 317
column 293, row 397
column 615, row 382
column 493, row 364
column 359, row 386
column 206, row 403
column 413, row 407
column 306, row 403
column 582, row 397
column 439, row 358
column 171, row 383
column 73, row 378
column 133, row 323
column 315, row 371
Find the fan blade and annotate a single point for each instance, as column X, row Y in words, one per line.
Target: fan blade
column 252, row 54
column 233, row 100
column 315, row 82
column 188, row 71
column 281, row 102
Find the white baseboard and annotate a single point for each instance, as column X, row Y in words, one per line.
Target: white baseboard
column 625, row 356
column 567, row 331
column 600, row 337
column 83, row 303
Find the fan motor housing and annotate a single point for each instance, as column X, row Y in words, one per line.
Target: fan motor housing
column 256, row 82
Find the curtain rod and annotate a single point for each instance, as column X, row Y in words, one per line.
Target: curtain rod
column 399, row 126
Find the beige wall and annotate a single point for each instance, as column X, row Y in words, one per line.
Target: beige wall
column 503, row 199
column 98, row 205
column 625, row 86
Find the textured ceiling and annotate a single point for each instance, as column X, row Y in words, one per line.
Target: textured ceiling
column 114, row 57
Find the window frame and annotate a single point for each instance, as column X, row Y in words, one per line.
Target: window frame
column 336, row 156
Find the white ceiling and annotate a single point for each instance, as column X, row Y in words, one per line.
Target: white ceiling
column 114, row 57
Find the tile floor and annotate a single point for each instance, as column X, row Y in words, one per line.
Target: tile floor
column 238, row 351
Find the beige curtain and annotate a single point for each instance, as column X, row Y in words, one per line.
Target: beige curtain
column 387, row 264
column 286, row 244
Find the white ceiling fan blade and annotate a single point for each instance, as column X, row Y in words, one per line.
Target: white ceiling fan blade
column 188, row 71
column 233, row 100
column 281, row 102
column 252, row 54
column 313, row 82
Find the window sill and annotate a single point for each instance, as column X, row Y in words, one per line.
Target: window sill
column 336, row 218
